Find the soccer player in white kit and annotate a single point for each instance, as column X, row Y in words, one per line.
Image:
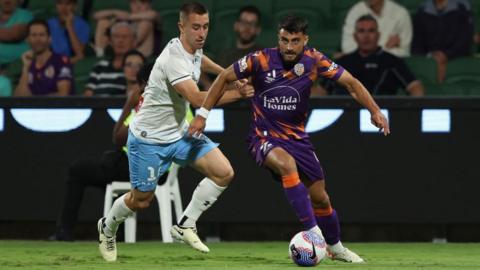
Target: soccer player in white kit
column 158, row 134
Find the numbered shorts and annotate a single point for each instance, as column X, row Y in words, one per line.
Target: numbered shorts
column 147, row 161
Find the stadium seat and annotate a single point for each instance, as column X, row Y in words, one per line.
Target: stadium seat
column 42, row 9
column 340, row 9
column 110, row 4
column 464, row 73
column 424, row 68
column 165, row 194
column 81, row 72
column 316, row 12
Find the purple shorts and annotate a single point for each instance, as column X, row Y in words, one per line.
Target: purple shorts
column 301, row 150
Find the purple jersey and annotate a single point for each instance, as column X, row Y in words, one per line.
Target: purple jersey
column 280, row 103
column 43, row 80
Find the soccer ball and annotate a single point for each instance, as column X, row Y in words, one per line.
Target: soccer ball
column 307, row 248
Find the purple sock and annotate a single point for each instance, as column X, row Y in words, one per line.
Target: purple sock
column 330, row 227
column 298, row 198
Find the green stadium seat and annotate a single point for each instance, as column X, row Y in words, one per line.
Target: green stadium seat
column 42, row 9
column 465, row 68
column 81, row 73
column 318, row 13
column 110, row 4
column 424, row 68
column 169, row 24
column 14, row 71
column 340, row 9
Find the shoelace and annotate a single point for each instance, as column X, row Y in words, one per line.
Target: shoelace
column 110, row 243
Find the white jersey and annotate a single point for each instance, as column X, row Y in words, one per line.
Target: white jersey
column 162, row 114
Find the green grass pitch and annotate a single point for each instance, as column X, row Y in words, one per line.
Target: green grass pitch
column 230, row 255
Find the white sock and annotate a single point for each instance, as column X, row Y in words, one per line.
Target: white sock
column 317, row 230
column 203, row 197
column 337, row 248
column 117, row 214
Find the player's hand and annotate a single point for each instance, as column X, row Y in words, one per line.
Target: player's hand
column 380, row 121
column 240, row 83
column 197, row 126
column 247, row 91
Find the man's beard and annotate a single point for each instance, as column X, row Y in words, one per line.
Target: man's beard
column 288, row 64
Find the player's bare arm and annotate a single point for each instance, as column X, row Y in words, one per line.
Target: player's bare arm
column 213, row 97
column 189, row 90
column 209, row 66
column 360, row 94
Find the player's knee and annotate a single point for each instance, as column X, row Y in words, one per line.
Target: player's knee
column 225, row 177
column 286, row 165
column 320, row 201
column 142, row 200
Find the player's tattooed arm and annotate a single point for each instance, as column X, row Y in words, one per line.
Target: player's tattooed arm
column 360, row 94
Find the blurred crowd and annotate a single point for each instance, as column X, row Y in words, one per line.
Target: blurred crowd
column 41, row 56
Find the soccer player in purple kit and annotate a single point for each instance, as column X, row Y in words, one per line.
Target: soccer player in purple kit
column 282, row 78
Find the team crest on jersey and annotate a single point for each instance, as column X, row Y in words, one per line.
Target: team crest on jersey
column 299, row 69
column 50, row 72
column 242, row 64
column 332, row 67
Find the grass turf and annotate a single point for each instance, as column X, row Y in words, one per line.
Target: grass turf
column 230, row 255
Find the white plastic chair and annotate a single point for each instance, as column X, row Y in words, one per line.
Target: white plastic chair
column 165, row 194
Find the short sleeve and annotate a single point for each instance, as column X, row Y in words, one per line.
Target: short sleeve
column 83, row 30
column 176, row 71
column 64, row 69
column 245, row 66
column 326, row 68
column 402, row 73
column 93, row 80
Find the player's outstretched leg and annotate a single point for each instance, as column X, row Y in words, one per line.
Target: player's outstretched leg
column 107, row 228
column 284, row 165
column 219, row 173
column 328, row 221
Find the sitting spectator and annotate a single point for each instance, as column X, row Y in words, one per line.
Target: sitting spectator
column 381, row 72
column 134, row 61
column 5, row 86
column 113, row 166
column 70, row 33
column 144, row 20
column 247, row 28
column 13, row 30
column 107, row 77
column 443, row 29
column 44, row 72
column 394, row 22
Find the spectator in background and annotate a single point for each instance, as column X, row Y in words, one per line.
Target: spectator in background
column 133, row 62
column 106, row 77
column 143, row 18
column 394, row 22
column 247, row 28
column 44, row 72
column 13, row 30
column 70, row 33
column 381, row 72
column 113, row 165
column 443, row 29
